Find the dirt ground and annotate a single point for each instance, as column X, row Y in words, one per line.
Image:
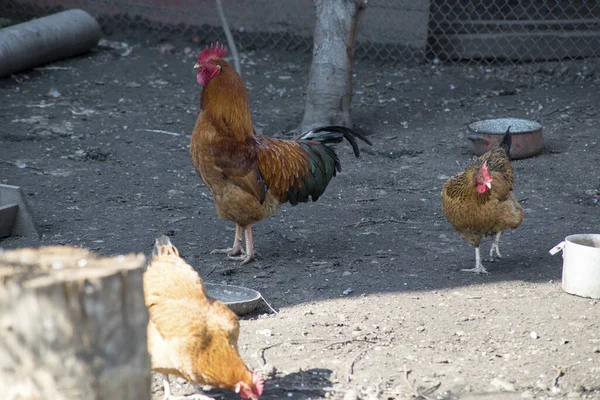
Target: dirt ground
column 367, row 280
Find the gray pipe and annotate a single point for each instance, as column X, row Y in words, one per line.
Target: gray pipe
column 43, row 40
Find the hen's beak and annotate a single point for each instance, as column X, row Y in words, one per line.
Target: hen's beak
column 197, row 66
column 489, row 185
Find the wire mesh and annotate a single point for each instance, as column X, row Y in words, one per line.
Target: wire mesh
column 399, row 31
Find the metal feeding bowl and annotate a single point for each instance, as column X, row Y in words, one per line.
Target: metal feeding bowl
column 488, row 133
column 239, row 299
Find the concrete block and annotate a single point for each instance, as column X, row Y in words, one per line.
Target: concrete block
column 24, row 224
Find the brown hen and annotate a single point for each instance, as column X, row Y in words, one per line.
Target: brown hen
column 191, row 335
column 480, row 200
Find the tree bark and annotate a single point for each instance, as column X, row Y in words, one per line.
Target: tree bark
column 72, row 326
column 329, row 91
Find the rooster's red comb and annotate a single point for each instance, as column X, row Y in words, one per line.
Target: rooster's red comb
column 214, row 51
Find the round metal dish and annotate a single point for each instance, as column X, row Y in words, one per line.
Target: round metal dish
column 526, row 136
column 239, row 299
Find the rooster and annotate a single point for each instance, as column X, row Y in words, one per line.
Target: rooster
column 480, row 200
column 191, row 335
column 250, row 175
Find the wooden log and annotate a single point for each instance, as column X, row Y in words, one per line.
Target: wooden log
column 72, row 326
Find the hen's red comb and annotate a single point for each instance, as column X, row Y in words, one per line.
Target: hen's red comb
column 214, row 51
column 259, row 382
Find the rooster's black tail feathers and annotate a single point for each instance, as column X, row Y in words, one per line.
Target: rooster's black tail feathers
column 324, row 163
column 335, row 134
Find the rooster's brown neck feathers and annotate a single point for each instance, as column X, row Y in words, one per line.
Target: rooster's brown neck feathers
column 227, row 109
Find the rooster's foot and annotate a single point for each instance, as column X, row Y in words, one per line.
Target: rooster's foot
column 245, row 259
column 232, row 251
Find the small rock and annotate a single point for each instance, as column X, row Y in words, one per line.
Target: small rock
column 502, row 385
column 534, row 335
column 351, row 395
column 54, row 93
column 347, row 291
column 346, row 273
column 541, row 386
column 528, row 394
column 573, row 395
column 167, row 48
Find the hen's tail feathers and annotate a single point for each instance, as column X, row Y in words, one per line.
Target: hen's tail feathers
column 335, row 134
column 163, row 246
column 507, row 141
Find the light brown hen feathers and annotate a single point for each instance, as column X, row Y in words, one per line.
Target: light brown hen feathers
column 190, row 334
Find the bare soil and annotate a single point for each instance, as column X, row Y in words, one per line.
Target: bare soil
column 367, row 280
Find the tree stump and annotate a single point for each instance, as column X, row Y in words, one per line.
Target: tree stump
column 72, row 326
column 329, row 90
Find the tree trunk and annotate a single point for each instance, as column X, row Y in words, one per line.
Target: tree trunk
column 72, row 326
column 329, row 91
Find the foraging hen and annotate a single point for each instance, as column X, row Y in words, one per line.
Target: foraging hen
column 191, row 335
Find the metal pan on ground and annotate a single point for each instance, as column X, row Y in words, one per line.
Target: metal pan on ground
column 239, row 299
column 488, row 133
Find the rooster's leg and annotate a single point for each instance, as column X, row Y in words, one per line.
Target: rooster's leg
column 479, row 269
column 496, row 246
column 237, row 244
column 250, row 252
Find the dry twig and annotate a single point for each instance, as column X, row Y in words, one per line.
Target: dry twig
column 417, row 392
column 560, row 372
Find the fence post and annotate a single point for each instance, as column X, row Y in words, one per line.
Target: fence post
column 72, row 326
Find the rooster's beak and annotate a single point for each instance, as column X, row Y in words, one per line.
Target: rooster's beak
column 489, row 185
column 197, row 66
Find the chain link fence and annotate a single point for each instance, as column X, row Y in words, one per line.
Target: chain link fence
column 397, row 31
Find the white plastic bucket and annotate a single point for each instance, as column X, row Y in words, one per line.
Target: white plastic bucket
column 581, row 264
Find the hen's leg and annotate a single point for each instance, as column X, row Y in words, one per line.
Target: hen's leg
column 237, row 244
column 496, row 246
column 479, row 269
column 250, row 252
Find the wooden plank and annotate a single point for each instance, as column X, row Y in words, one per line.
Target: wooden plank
column 73, row 326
